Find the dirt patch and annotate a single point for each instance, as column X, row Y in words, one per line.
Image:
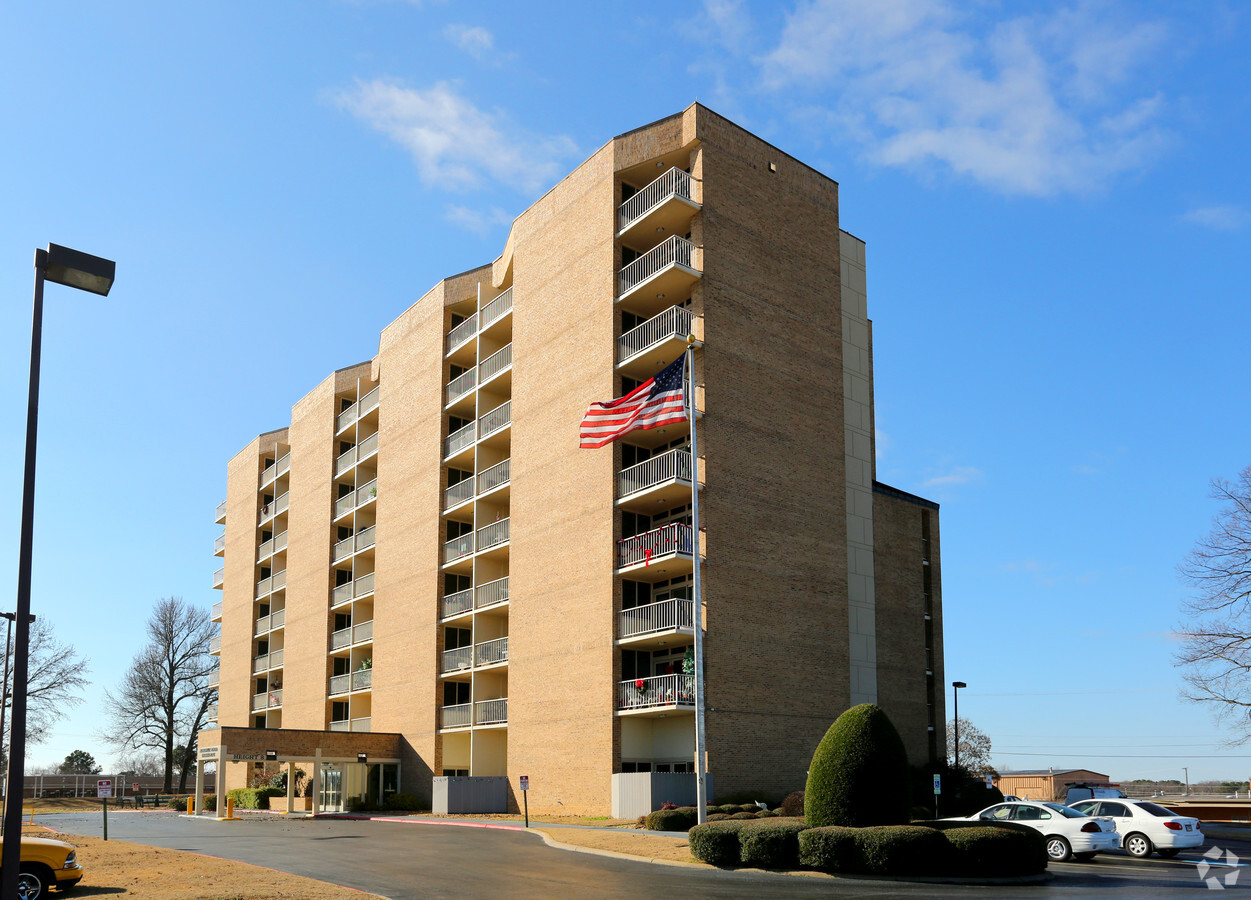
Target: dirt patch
column 631, row 843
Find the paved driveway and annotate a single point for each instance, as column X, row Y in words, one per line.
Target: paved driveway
column 405, row 860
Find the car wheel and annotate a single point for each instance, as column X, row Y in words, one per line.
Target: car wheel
column 1085, row 857
column 1170, row 853
column 32, row 884
column 1137, row 845
column 1058, row 849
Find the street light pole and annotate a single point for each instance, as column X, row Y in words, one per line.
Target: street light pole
column 955, row 691
column 60, row 265
column 4, row 695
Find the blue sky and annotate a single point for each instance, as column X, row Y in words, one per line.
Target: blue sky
column 1054, row 198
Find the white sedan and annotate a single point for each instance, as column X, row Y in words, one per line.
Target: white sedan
column 1070, row 834
column 1145, row 826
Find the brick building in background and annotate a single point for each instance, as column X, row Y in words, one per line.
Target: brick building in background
column 424, row 554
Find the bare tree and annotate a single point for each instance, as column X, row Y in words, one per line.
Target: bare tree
column 974, row 748
column 163, row 699
column 56, row 677
column 1216, row 636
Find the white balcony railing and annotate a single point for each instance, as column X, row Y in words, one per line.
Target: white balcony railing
column 215, row 644
column 357, row 498
column 456, row 660
column 496, row 476
column 659, row 690
column 495, row 420
column 491, row 712
column 674, row 183
column 367, row 448
column 221, row 513
column 347, row 417
column 216, row 612
column 346, row 460
column 462, row 333
column 362, row 680
column 674, row 322
column 369, row 402
column 458, row 493
column 210, row 714
column 652, row 618
column 353, row 634
column 274, row 545
column 460, row 439
column 457, row 716
column 357, row 725
column 275, row 582
column 219, row 577
column 672, row 465
column 340, row 684
column 672, row 538
column 458, row 548
column 493, row 535
column 266, row 624
column 497, row 309
column 353, row 590
column 488, row 653
column 461, row 385
column 275, row 507
column 267, row 661
column 495, row 363
column 366, row 538
column 455, row 604
column 219, row 544
column 215, row 677
column 491, row 593
column 675, row 251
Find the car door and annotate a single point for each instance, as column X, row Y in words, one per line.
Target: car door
column 1122, row 816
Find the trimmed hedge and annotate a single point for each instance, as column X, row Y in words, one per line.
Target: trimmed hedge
column 717, row 817
column 743, row 815
column 937, row 848
column 180, row 802
column 832, row 848
column 902, row 850
column 716, row 843
column 859, row 772
column 251, row 798
column 403, row 803
column 993, row 849
column 681, row 819
column 773, row 845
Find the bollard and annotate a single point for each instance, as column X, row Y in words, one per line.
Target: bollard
column 230, row 807
column 191, row 806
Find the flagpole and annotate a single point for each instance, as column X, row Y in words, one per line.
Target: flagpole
column 701, row 785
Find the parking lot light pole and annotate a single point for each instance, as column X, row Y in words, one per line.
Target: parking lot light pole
column 955, row 691
column 60, row 265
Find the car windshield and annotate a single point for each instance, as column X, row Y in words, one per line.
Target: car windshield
column 1156, row 810
column 1066, row 811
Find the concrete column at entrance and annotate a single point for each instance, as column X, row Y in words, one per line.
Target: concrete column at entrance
column 290, row 787
column 221, row 780
column 199, row 786
column 316, row 782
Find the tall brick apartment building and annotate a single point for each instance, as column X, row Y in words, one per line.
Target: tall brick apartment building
column 423, row 567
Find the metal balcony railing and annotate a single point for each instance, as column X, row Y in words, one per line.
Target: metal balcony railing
column 659, row 690
column 457, row 716
column 495, row 419
column 271, row 622
column 460, row 439
column 493, row 535
column 674, row 183
column 267, row 661
column 458, row 548
column 367, row 448
column 496, row 476
column 352, row 635
column 276, row 544
column 215, row 677
column 275, row 582
column 357, row 725
column 456, row 660
column 221, row 513
column 461, row 385
column 219, row 577
column 455, row 604
column 462, row 333
column 275, row 507
column 366, row 538
column 663, row 615
column 491, row 712
column 370, row 401
column 497, row 309
column 488, row 653
column 219, row 544
column 672, row 538
column 210, row 714
column 458, row 493
column 362, row 680
column 674, row 322
column 672, row 465
column 215, row 644
column 675, row 251
column 340, row 684
column 216, row 612
column 491, row 593
column 495, row 363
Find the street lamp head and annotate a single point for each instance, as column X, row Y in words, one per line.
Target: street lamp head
column 76, row 269
column 958, row 684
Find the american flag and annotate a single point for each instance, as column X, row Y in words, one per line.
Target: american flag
column 657, row 401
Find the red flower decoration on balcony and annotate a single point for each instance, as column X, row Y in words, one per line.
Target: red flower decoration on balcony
column 639, row 684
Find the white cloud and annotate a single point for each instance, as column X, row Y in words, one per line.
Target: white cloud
column 957, row 475
column 473, row 39
column 454, row 143
column 479, row 221
column 729, row 22
column 1222, row 217
column 1032, row 105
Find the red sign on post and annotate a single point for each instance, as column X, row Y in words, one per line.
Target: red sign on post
column 525, row 782
column 104, row 788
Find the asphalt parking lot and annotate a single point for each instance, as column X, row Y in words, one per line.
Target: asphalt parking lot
column 404, row 860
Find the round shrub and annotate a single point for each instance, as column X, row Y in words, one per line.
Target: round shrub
column 728, row 808
column 747, row 807
column 743, row 815
column 994, row 851
column 716, row 843
column 859, row 773
column 770, row 845
column 832, row 848
column 717, row 817
column 902, row 850
column 793, row 805
column 680, row 819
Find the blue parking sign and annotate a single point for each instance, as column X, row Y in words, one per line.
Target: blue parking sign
column 938, row 784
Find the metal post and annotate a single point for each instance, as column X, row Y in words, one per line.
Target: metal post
column 955, row 691
column 10, row 859
column 8, row 646
column 701, row 785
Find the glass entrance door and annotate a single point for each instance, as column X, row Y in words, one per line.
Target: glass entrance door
column 331, row 788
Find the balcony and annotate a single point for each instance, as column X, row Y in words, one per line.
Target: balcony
column 362, row 540
column 219, row 577
column 670, row 267
column 497, row 309
column 458, row 548
column 462, row 333
column 640, row 624
column 351, row 681
column 666, row 204
column 353, row 590
column 458, row 716
column 363, row 495
column 661, row 339
column 215, row 677
column 491, row 712
column 492, row 593
column 215, row 645
column 491, row 653
column 352, row 635
column 267, row 586
column 657, row 480
column 457, row 604
column 461, row 386
column 493, row 365
column 658, row 693
column 276, row 471
column 357, row 725
column 357, row 410
column 219, row 545
column 271, row 622
column 460, row 440
column 461, row 492
column 358, row 454
column 215, row 614
column 210, row 714
column 268, row 700
column 275, row 508
column 220, row 518
column 267, row 661
column 660, row 553
column 456, row 660
column 493, row 535
column 493, row 478
column 270, row 547
column 496, row 420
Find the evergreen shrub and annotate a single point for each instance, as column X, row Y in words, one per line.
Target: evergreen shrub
column 770, row 845
column 859, row 772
